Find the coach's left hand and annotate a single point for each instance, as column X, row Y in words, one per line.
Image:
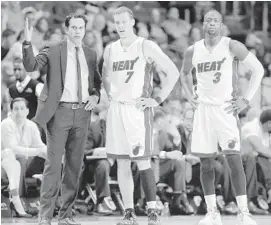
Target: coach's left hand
column 91, row 102
column 143, row 103
column 236, row 106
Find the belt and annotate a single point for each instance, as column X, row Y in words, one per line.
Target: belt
column 72, row 105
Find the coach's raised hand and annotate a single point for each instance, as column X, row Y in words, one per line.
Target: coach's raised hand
column 28, row 31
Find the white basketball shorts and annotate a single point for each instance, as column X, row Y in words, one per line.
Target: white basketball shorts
column 213, row 126
column 128, row 131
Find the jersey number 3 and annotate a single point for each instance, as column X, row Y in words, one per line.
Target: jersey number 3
column 129, row 74
column 217, row 77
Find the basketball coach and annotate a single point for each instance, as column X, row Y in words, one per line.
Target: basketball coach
column 71, row 91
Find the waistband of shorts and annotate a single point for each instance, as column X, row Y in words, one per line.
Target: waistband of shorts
column 213, row 104
column 132, row 102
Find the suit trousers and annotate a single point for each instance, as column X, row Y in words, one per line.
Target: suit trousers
column 66, row 135
column 264, row 165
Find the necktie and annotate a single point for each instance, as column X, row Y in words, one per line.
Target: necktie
column 79, row 83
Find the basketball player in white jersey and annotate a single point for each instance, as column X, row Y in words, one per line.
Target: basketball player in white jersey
column 127, row 78
column 216, row 106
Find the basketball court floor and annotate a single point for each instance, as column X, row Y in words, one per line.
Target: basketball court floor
column 174, row 220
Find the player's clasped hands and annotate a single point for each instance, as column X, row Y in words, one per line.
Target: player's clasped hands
column 143, row 103
column 236, row 106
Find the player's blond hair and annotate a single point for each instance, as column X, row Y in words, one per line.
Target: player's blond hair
column 124, row 9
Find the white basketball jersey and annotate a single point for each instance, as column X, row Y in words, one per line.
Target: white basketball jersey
column 215, row 72
column 129, row 73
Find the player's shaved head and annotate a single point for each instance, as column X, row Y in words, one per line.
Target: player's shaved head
column 213, row 14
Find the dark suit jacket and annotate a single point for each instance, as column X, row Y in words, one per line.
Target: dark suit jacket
column 55, row 58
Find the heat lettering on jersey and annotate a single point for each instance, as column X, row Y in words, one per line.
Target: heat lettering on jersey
column 210, row 66
column 124, row 65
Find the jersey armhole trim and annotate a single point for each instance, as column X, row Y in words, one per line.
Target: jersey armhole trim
column 109, row 53
column 143, row 51
column 233, row 56
column 192, row 59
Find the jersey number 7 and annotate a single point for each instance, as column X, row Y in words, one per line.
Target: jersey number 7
column 129, row 74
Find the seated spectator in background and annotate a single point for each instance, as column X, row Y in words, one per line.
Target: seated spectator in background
column 8, row 39
column 263, row 161
column 266, row 89
column 21, row 136
column 256, row 142
column 100, row 167
column 156, row 31
column 7, row 77
column 25, row 87
column 41, row 30
column 16, row 49
column 175, row 26
column 194, row 35
column 255, row 135
column 99, row 24
column 229, row 206
column 13, row 15
column 93, row 41
column 171, row 167
column 12, row 168
column 55, row 38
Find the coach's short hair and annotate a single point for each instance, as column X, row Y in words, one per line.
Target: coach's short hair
column 18, row 100
column 76, row 16
column 124, row 9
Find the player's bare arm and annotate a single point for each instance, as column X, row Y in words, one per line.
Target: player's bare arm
column 185, row 71
column 105, row 75
column 154, row 54
column 259, row 147
column 251, row 63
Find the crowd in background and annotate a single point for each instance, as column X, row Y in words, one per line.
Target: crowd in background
column 173, row 26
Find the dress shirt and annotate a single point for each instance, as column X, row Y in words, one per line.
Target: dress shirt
column 70, row 85
column 14, row 139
